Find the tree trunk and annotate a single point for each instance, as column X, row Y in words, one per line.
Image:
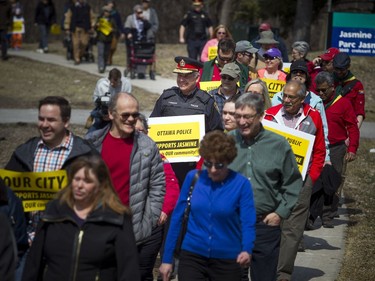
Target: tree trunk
column 302, row 22
column 225, row 13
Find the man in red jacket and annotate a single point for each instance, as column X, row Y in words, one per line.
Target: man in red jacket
column 296, row 114
column 348, row 86
column 343, row 134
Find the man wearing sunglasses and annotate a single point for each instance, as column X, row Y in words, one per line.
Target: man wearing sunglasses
column 230, row 75
column 226, row 50
column 136, row 169
column 245, row 53
column 348, row 85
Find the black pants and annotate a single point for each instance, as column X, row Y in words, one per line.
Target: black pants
column 148, row 252
column 4, row 43
column 196, row 267
column 265, row 253
column 195, row 47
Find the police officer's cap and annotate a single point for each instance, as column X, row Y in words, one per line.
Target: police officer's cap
column 197, row 2
column 186, row 65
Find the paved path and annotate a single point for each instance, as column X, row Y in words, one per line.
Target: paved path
column 324, row 247
column 153, row 86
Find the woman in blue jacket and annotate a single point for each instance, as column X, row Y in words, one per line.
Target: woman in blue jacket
column 221, row 224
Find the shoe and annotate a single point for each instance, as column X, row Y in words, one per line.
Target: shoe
column 101, row 70
column 309, row 225
column 76, row 63
column 301, row 246
column 328, row 224
column 6, row 57
column 40, row 51
column 45, row 50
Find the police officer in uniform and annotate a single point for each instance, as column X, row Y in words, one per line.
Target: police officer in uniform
column 187, row 99
column 195, row 23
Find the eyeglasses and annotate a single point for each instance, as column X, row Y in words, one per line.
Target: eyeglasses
column 250, row 55
column 323, row 91
column 285, row 96
column 139, row 12
column 209, row 165
column 225, row 59
column 247, row 117
column 227, row 77
column 221, row 33
column 124, row 116
column 269, row 57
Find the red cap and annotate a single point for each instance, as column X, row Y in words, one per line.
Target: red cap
column 329, row 54
column 264, row 26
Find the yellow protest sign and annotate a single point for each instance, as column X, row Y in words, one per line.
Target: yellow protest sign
column 212, row 52
column 300, row 142
column 104, row 26
column 209, row 85
column 178, row 137
column 18, row 26
column 274, row 86
column 286, row 67
column 35, row 189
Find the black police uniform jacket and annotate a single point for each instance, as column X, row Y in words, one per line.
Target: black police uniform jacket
column 173, row 103
column 102, row 248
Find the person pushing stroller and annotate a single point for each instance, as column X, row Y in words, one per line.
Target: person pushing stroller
column 136, row 28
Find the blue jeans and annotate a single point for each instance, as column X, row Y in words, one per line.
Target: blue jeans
column 104, row 49
column 43, row 36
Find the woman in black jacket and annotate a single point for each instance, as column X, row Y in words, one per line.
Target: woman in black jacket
column 86, row 233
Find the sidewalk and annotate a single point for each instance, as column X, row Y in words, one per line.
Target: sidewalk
column 153, row 86
column 324, row 247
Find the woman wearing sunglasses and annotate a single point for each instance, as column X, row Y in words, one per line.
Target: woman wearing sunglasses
column 221, row 223
column 274, row 64
column 220, row 32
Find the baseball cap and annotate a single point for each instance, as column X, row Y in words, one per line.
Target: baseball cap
column 264, row 26
column 299, row 65
column 245, row 46
column 273, row 52
column 341, row 60
column 231, row 69
column 329, row 54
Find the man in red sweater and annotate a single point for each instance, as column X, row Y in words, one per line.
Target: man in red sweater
column 342, row 125
column 296, row 114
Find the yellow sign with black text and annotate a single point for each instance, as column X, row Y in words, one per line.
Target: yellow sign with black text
column 274, row 86
column 178, row 137
column 300, row 142
column 212, row 52
column 35, row 189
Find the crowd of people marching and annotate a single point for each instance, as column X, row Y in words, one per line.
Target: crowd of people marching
column 239, row 212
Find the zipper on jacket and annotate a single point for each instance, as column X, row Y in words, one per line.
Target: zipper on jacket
column 77, row 253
